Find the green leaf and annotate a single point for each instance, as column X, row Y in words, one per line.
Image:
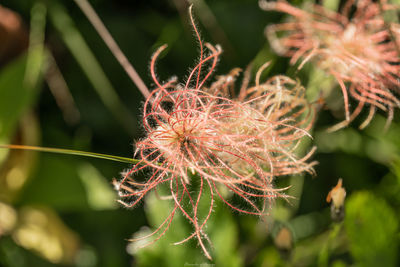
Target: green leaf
column 99, row 192
column 163, row 252
column 331, row 4
column 15, row 96
column 224, row 235
column 34, row 63
column 372, row 228
column 221, row 229
column 20, row 79
column 56, row 184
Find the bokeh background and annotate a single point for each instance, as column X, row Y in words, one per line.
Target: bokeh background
column 61, row 87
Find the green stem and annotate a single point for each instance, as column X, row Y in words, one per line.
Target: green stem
column 72, row 152
column 326, row 249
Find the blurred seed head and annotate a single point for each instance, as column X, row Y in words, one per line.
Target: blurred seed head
column 284, row 242
column 357, row 48
column 13, row 34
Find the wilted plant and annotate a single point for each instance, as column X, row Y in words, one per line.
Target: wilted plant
column 355, row 46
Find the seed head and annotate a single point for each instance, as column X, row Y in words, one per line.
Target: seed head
column 222, row 143
column 357, row 49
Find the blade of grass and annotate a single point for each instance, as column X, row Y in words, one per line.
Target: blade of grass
column 59, row 89
column 71, row 152
column 112, row 45
column 36, row 56
column 89, row 64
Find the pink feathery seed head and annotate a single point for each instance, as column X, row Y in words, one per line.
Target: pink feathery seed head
column 197, row 134
column 357, row 49
column 239, row 146
column 180, row 122
column 395, row 28
column 285, row 117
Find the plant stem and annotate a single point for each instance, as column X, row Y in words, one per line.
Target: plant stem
column 112, row 45
column 71, row 152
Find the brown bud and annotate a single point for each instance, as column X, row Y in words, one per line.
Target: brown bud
column 336, row 197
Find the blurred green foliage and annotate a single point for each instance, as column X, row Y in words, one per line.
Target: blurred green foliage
column 14, row 87
column 372, row 229
column 68, row 202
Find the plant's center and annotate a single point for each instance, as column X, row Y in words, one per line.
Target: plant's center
column 352, row 51
column 175, row 137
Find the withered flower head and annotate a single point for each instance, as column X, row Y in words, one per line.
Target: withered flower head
column 357, row 48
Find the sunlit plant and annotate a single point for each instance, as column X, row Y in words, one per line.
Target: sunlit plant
column 355, row 46
column 226, row 142
column 199, row 132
